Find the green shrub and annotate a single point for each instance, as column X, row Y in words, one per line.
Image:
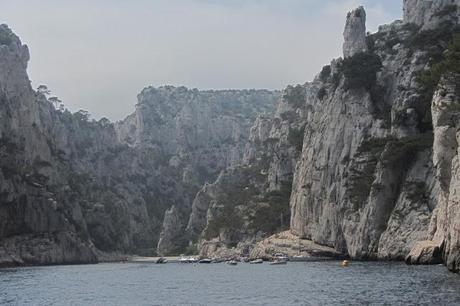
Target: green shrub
column 295, row 137
column 295, row 96
column 448, row 10
column 360, row 70
column 275, row 216
column 192, row 249
column 361, row 174
column 432, row 40
column 288, row 116
column 226, row 220
column 401, row 152
column 428, row 80
column 416, row 191
column 6, row 36
column 370, row 42
column 322, row 92
column 325, row 73
column 336, row 77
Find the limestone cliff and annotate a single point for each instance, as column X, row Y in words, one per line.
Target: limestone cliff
column 443, row 235
column 374, row 176
column 251, row 201
column 368, row 180
column 33, row 228
column 365, row 183
column 198, row 134
column 75, row 189
column 430, row 13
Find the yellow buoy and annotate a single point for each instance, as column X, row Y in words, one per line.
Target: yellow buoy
column 344, row 263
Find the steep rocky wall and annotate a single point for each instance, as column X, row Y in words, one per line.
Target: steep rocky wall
column 365, row 182
column 198, row 133
column 201, row 132
column 75, row 189
column 33, row 228
column 443, row 243
column 254, row 195
column 430, row 13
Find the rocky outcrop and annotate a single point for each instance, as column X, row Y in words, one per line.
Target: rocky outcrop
column 200, row 132
column 34, row 228
column 365, row 182
column 196, row 134
column 355, row 33
column 76, row 190
column 444, row 230
column 425, row 253
column 290, row 245
column 430, row 14
column 251, row 201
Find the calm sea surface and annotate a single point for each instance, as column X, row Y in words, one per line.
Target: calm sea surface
column 323, row 283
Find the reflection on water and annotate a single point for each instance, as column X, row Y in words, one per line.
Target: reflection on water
column 323, row 283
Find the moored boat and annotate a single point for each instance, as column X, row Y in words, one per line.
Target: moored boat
column 278, row 262
column 185, row 259
column 161, row 260
column 256, row 261
column 192, row 260
column 205, row 261
column 279, row 259
column 232, row 262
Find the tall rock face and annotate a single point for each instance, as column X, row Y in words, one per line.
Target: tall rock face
column 77, row 190
column 198, row 134
column 365, row 183
column 251, row 201
column 355, row 33
column 364, row 169
column 444, row 237
column 430, row 13
column 33, row 227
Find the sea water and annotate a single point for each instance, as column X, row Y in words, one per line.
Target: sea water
column 314, row 283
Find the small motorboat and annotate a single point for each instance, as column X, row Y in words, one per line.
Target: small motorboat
column 205, row 261
column 161, row 260
column 185, row 259
column 278, row 262
column 232, row 262
column 344, row 263
column 256, row 261
column 192, row 260
column 279, row 259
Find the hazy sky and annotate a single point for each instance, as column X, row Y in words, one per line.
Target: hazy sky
column 99, row 54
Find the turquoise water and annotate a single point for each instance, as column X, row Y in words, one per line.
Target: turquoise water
column 324, row 283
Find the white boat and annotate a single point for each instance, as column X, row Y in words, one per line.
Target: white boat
column 232, row 262
column 279, row 259
column 205, row 261
column 256, row 261
column 280, row 256
column 278, row 262
column 193, row 260
column 185, row 259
